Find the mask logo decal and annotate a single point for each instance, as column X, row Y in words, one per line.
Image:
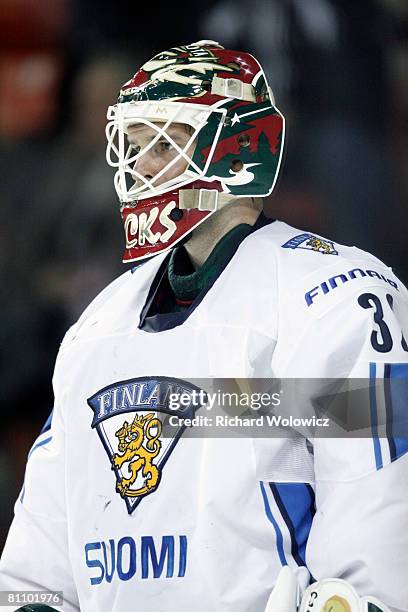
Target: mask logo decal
column 188, row 70
column 243, row 177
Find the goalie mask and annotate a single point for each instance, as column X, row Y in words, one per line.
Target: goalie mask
column 194, row 129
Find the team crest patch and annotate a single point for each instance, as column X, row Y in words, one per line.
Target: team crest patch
column 310, row 242
column 129, row 418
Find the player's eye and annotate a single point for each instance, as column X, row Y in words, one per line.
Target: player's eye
column 163, row 146
column 135, row 148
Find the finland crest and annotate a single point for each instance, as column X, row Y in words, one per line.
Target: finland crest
column 129, row 417
column 310, row 242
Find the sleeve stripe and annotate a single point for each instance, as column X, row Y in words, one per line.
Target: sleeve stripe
column 47, row 424
column 388, row 388
column 296, row 503
column 41, row 443
column 389, row 411
column 279, row 538
column 373, row 413
column 396, row 401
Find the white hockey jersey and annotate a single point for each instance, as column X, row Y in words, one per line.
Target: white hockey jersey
column 222, row 515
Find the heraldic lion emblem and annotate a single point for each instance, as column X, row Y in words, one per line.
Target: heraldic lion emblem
column 139, row 444
column 317, row 244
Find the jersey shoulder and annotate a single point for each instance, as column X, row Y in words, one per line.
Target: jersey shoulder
column 94, row 305
column 119, row 292
column 303, row 251
column 297, row 255
column 317, row 273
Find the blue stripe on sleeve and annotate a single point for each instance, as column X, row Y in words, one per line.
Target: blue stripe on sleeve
column 296, row 503
column 279, row 538
column 374, row 419
column 41, row 443
column 47, row 424
column 396, row 397
column 389, row 411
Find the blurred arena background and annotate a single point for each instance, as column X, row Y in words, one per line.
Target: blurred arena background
column 339, row 70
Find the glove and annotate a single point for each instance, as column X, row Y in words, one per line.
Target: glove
column 329, row 595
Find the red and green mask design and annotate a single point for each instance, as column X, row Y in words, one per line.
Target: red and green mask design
column 238, row 146
column 186, row 73
column 248, row 151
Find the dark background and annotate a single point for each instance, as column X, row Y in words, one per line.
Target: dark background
column 339, row 72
